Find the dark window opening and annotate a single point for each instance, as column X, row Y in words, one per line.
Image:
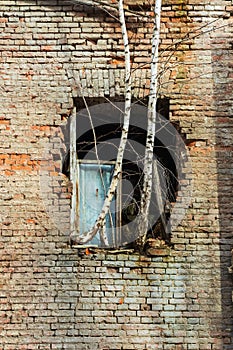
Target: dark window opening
column 106, row 137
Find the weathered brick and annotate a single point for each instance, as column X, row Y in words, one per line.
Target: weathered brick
column 55, row 297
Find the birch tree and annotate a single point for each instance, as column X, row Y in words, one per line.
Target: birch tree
column 151, row 119
column 149, row 167
column 87, row 236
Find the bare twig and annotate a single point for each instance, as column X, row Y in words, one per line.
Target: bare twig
column 73, row 176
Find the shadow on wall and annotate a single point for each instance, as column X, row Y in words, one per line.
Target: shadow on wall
column 222, row 59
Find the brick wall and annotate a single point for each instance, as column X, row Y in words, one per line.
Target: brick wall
column 55, row 297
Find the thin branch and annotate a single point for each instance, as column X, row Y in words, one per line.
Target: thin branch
column 103, row 236
column 188, row 36
column 73, row 175
column 99, row 4
column 106, row 6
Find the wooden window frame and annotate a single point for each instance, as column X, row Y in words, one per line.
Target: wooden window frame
column 116, row 237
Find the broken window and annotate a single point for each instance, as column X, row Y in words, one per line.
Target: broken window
column 98, row 133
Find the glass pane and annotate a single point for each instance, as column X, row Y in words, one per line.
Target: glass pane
column 94, row 181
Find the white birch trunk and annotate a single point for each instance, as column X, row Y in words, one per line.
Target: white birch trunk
column 87, row 236
column 151, row 114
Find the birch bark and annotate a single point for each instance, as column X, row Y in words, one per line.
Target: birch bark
column 151, row 115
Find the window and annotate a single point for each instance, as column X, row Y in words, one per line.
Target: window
column 98, row 134
column 94, row 180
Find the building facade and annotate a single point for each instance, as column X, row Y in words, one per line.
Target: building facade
column 55, row 55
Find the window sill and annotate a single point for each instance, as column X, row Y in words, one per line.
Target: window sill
column 153, row 247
